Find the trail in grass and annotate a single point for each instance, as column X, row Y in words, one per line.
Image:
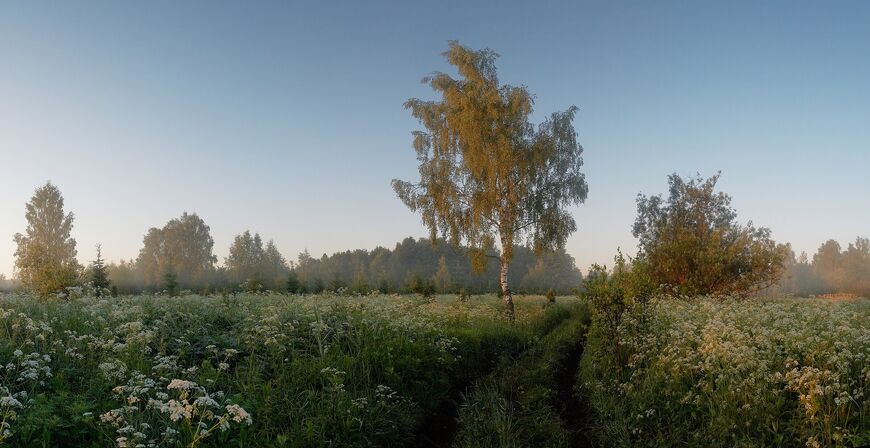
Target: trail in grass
column 573, row 411
column 529, row 400
column 440, row 429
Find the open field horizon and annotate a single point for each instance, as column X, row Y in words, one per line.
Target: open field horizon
column 243, row 118
column 484, row 224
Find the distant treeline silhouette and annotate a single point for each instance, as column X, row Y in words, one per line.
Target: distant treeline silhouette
column 417, row 265
column 413, row 265
column 831, row 270
column 179, row 256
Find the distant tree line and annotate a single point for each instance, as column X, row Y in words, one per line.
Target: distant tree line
column 832, row 269
column 180, row 256
column 414, row 265
column 690, row 242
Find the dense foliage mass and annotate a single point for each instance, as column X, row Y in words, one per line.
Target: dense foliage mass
column 182, row 247
column 693, row 244
column 45, row 260
column 704, row 372
column 252, row 370
column 254, row 267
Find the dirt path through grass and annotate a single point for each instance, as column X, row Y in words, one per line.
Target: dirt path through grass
column 439, row 429
column 530, row 400
column 573, row 412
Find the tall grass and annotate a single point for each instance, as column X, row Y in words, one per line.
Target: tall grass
column 705, row 372
column 519, row 404
column 249, row 370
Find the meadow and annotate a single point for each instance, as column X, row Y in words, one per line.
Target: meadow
column 251, row 369
column 726, row 372
column 406, row 370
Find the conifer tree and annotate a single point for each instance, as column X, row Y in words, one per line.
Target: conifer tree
column 293, row 282
column 100, row 274
column 170, row 281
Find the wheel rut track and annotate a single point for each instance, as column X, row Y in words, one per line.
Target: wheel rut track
column 440, row 429
column 574, row 412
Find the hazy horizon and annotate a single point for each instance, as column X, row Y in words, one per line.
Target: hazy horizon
column 260, row 117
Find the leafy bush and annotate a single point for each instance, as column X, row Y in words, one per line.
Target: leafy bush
column 611, row 295
column 419, row 285
column 694, row 244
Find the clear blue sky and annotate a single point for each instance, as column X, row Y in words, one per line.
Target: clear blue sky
column 286, row 118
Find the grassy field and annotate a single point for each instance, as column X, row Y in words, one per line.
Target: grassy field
column 277, row 370
column 763, row 372
column 252, row 370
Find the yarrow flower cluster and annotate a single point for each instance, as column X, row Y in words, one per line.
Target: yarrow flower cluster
column 180, row 402
column 10, row 405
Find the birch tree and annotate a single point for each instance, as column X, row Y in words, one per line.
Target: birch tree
column 488, row 176
column 45, row 259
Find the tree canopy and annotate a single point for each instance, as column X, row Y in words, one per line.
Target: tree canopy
column 254, row 266
column 184, row 246
column 693, row 243
column 487, row 175
column 842, row 271
column 45, row 260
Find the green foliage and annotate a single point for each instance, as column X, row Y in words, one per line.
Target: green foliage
column 170, row 281
column 384, row 286
column 694, row 244
column 293, row 285
column 419, row 285
column 337, row 284
column 519, row 404
column 253, row 267
column 360, row 282
column 278, row 370
column 45, row 259
column 442, row 280
column 186, row 244
column 722, row 373
column 245, row 256
column 317, row 286
column 626, row 289
column 99, row 275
